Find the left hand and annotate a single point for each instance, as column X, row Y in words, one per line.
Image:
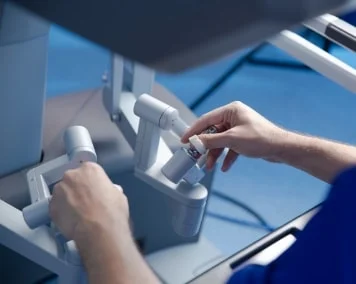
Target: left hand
column 86, row 201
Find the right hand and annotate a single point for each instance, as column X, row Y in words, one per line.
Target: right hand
column 242, row 130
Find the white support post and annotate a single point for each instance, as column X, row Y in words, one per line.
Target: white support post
column 143, row 79
column 147, row 143
column 120, row 103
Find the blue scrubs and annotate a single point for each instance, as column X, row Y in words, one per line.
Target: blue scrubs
column 324, row 252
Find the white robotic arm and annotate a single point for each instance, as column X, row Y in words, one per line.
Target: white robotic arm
column 141, row 118
column 189, row 199
column 79, row 149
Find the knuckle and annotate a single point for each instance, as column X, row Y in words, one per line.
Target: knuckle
column 68, row 175
column 204, row 138
column 203, row 116
column 92, row 166
column 119, row 188
column 236, row 104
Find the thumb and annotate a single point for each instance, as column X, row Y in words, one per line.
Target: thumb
column 215, row 141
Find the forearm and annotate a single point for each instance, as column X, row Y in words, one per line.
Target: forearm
column 321, row 158
column 112, row 258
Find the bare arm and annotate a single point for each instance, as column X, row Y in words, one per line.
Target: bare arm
column 246, row 132
column 321, row 158
column 111, row 257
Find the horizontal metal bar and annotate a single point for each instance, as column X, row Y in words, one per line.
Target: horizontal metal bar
column 317, row 59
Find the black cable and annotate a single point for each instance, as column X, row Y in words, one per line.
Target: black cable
column 224, row 77
column 278, row 64
column 241, row 205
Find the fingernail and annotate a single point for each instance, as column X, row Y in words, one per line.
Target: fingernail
column 225, row 168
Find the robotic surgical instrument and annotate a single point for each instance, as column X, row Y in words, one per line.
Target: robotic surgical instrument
column 148, row 34
column 80, row 149
column 191, row 198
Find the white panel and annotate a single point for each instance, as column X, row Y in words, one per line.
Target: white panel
column 22, row 89
column 17, row 24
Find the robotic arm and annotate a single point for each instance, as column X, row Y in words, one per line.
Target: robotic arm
column 169, row 36
column 79, row 149
column 150, row 164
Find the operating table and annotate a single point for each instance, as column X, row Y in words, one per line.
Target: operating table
column 131, row 126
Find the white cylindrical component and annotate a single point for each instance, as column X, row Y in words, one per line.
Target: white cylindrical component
column 37, row 214
column 179, row 127
column 79, row 145
column 197, row 144
column 202, row 161
column 187, row 220
column 194, row 175
column 150, row 109
column 177, row 166
column 167, row 118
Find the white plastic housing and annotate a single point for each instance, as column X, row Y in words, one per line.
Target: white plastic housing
column 179, row 127
column 194, row 175
column 79, row 148
column 160, row 114
column 79, row 145
column 177, row 166
column 37, row 214
column 187, row 220
column 168, row 118
column 197, row 144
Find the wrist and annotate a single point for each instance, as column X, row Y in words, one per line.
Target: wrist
column 90, row 234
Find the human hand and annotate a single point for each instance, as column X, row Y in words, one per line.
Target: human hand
column 86, row 200
column 242, row 130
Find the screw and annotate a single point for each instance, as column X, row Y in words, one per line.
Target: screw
column 116, row 117
column 105, row 77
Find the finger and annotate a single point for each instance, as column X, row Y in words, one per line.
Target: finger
column 215, row 141
column 230, row 158
column 214, row 117
column 57, row 188
column 221, row 127
column 213, row 156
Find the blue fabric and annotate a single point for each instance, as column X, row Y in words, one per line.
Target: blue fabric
column 325, row 251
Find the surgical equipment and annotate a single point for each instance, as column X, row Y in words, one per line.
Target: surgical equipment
column 191, row 199
column 187, row 163
column 79, row 149
column 157, row 38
